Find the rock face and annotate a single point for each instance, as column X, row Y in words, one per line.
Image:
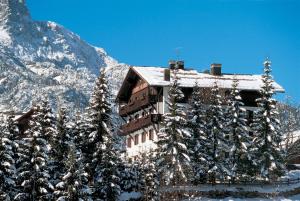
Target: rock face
column 39, row 59
column 13, row 14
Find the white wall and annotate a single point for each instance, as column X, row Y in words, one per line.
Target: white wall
column 165, row 99
column 141, row 147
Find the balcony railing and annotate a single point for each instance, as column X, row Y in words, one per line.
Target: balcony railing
column 139, row 100
column 137, row 124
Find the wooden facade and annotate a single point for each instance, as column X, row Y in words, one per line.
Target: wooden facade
column 140, row 123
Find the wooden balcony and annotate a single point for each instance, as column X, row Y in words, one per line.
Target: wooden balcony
column 140, row 123
column 139, row 100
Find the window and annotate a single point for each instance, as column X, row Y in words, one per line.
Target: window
column 143, row 114
column 144, row 137
column 129, row 142
column 136, row 139
column 151, row 135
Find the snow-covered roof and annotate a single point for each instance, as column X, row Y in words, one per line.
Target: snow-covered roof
column 187, row 78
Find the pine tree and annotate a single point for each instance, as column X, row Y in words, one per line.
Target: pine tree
column 240, row 141
column 7, row 160
column 173, row 162
column 49, row 131
column 266, row 127
column 99, row 123
column 48, row 121
column 150, row 178
column 33, row 173
column 73, row 185
column 107, row 180
column 199, row 142
column 80, row 131
column 130, row 176
column 60, row 143
column 216, row 136
column 106, row 157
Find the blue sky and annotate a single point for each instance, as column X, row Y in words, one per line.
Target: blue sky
column 238, row 34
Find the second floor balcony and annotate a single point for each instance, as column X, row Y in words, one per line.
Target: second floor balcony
column 139, row 100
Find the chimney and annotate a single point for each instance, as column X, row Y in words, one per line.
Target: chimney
column 172, row 64
column 167, row 74
column 180, row 65
column 216, row 69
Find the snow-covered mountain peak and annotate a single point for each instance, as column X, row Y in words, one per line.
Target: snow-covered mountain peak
column 43, row 58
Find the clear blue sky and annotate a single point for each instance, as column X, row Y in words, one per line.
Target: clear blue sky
column 238, row 34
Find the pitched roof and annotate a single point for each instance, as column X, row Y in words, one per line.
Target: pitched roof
column 187, row 78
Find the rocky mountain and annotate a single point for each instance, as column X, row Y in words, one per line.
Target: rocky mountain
column 40, row 59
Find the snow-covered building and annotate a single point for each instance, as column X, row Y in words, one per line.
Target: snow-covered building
column 143, row 98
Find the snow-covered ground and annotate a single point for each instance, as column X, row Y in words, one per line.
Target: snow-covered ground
column 296, row 197
column 127, row 196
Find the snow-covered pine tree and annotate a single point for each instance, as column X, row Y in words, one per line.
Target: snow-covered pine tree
column 266, row 130
column 80, row 131
column 49, row 131
column 107, row 178
column 199, row 142
column 99, row 123
column 130, row 176
column 150, row 178
column 216, row 135
column 48, row 121
column 174, row 161
column 14, row 133
column 7, row 160
column 238, row 133
column 106, row 157
column 73, row 185
column 60, row 146
column 33, row 173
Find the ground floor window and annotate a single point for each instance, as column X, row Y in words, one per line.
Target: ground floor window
column 144, row 137
column 129, row 142
column 136, row 139
column 151, row 134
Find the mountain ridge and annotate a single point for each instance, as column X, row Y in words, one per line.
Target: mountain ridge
column 42, row 58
